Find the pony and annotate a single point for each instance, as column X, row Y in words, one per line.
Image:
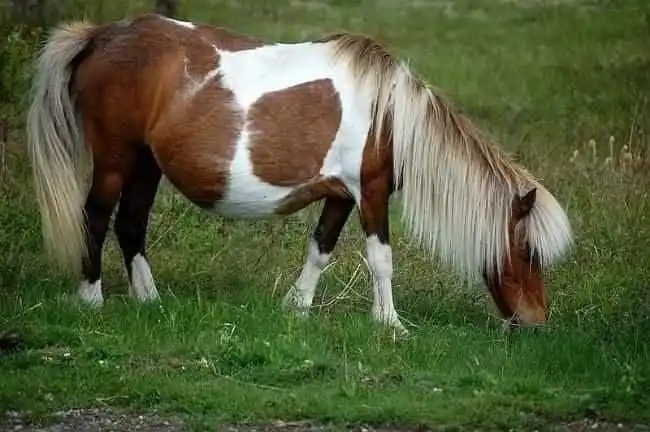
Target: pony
column 248, row 128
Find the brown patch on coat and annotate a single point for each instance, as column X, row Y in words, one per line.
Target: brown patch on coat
column 131, row 85
column 122, row 83
column 227, row 40
column 194, row 145
column 376, row 183
column 132, row 81
column 292, row 131
column 200, row 59
column 144, row 39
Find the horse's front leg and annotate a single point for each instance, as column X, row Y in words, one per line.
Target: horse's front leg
column 330, row 224
column 375, row 224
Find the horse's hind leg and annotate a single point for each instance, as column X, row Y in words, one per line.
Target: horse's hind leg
column 131, row 223
column 332, row 219
column 107, row 182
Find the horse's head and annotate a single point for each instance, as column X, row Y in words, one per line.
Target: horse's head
column 519, row 293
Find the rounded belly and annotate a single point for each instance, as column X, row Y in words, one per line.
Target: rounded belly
column 247, row 196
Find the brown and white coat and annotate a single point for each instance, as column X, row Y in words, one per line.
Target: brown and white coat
column 247, row 128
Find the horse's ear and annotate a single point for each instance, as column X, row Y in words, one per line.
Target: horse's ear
column 523, row 205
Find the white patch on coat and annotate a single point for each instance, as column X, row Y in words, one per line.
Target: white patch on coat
column 142, row 284
column 185, row 24
column 301, row 295
column 380, row 260
column 250, row 74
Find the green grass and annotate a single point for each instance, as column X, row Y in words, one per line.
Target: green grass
column 545, row 77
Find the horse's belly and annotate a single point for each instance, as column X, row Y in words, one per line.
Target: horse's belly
column 247, row 196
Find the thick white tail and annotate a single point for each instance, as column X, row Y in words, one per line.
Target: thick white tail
column 58, row 154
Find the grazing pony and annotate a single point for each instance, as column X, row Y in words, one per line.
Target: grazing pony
column 247, row 128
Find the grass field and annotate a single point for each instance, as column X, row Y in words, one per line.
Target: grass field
column 562, row 84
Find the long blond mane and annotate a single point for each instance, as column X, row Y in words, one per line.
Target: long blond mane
column 457, row 186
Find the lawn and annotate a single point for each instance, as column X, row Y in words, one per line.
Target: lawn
column 562, row 84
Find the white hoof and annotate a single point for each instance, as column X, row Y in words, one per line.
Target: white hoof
column 91, row 293
column 392, row 321
column 142, row 286
column 295, row 303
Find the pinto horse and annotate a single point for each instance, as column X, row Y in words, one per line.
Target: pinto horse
column 248, row 129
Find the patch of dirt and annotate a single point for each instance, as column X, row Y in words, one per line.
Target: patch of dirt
column 93, row 419
column 601, row 426
column 112, row 420
column 577, row 426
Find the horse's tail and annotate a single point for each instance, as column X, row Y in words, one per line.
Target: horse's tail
column 457, row 187
column 56, row 147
